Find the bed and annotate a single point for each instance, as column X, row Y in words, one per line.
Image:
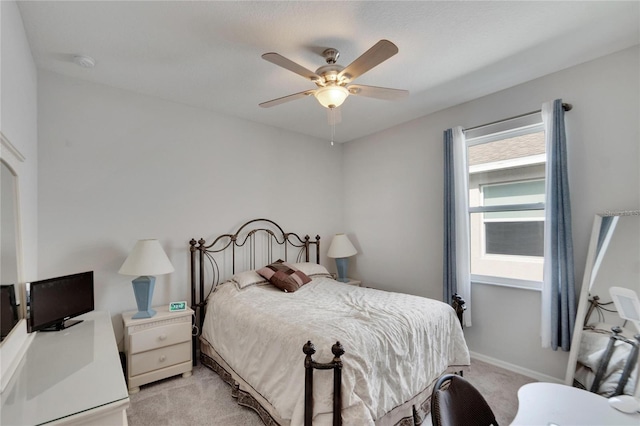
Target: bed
column 252, row 333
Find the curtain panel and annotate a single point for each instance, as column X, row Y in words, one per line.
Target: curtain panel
column 558, row 289
column 456, row 263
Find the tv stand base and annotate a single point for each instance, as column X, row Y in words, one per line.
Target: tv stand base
column 62, row 325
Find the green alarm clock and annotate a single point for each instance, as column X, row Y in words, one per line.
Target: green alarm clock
column 177, row 306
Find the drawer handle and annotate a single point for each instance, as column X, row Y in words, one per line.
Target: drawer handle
column 163, row 337
column 162, row 358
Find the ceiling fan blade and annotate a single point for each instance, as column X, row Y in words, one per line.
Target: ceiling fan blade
column 334, row 116
column 377, row 92
column 380, row 52
column 287, row 98
column 288, row 64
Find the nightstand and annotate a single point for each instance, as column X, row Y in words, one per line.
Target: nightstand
column 157, row 347
column 351, row 281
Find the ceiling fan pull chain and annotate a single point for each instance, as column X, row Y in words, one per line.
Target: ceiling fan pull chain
column 333, row 125
column 333, row 133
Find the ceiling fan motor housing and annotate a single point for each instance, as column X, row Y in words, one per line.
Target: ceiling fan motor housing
column 329, row 74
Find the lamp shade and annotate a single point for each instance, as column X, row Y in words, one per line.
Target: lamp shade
column 331, row 96
column 146, row 258
column 627, row 304
column 341, row 247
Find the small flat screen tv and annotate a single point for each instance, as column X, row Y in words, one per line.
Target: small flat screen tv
column 52, row 302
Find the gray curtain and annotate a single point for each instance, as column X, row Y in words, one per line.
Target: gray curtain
column 559, row 269
column 450, row 284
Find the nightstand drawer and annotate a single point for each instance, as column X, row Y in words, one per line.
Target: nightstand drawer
column 160, row 358
column 158, row 337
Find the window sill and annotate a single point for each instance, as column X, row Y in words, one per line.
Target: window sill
column 507, row 282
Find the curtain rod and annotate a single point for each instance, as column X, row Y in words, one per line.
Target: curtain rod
column 565, row 106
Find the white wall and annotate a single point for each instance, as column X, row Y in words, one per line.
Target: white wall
column 116, row 166
column 19, row 122
column 393, row 196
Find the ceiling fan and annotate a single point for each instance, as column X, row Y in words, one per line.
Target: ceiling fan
column 334, row 80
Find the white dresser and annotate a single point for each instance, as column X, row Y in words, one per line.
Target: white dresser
column 157, row 347
column 69, row 377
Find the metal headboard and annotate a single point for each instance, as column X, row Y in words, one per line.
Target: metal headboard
column 254, row 241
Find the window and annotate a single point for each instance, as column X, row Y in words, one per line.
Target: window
column 506, row 202
column 515, row 233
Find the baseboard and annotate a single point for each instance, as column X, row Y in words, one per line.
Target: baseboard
column 516, row 368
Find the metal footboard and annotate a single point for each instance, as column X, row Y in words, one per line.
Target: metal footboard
column 336, row 366
column 628, row 367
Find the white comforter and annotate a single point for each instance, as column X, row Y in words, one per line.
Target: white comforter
column 395, row 344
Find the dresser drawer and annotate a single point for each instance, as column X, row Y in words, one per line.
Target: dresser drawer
column 158, row 337
column 160, row 358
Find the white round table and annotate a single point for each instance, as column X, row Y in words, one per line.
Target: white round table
column 544, row 404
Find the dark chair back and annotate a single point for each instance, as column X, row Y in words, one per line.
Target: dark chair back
column 455, row 402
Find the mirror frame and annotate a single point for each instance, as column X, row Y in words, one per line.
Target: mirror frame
column 586, row 290
column 15, row 344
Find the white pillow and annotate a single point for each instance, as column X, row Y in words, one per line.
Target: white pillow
column 312, row 269
column 248, row 278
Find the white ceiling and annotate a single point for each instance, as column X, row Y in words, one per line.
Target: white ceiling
column 207, row 53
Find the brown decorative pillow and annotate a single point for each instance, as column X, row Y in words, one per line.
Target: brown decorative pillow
column 284, row 275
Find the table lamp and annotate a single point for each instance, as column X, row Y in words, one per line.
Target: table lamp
column 341, row 249
column 146, row 260
column 627, row 304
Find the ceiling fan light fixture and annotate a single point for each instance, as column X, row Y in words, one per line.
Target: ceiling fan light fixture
column 331, row 96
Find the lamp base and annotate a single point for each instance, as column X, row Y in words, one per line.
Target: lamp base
column 144, row 314
column 341, row 265
column 143, row 289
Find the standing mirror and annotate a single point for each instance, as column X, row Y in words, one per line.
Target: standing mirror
column 9, row 297
column 606, row 340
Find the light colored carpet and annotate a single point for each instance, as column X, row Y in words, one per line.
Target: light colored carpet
column 204, row 398
column 499, row 387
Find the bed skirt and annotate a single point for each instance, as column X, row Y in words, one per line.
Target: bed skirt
column 411, row 413
column 245, row 395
